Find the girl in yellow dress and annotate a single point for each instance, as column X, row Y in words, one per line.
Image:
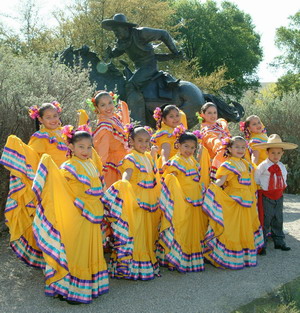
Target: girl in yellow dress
column 213, row 131
column 67, row 225
column 109, row 138
column 22, row 161
column 234, row 233
column 183, row 223
column 167, row 118
column 133, row 209
column 255, row 132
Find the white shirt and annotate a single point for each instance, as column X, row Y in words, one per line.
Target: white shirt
column 262, row 175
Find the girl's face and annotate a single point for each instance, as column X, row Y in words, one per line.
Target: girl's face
column 82, row 148
column 187, row 148
column 238, row 149
column 172, row 119
column 106, row 106
column 141, row 142
column 255, row 126
column 50, row 119
column 211, row 115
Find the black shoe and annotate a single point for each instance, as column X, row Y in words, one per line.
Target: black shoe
column 282, row 247
column 263, row 251
column 73, row 302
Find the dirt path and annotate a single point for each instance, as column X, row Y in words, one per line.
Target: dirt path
column 213, row 291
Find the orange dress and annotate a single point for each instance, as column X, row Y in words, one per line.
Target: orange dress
column 110, row 142
column 212, row 136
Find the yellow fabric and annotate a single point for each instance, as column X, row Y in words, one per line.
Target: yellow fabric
column 164, row 135
column 42, row 145
column 83, row 117
column 81, row 239
column 205, row 167
column 20, row 219
column 232, row 186
column 183, row 119
column 259, row 138
column 189, row 223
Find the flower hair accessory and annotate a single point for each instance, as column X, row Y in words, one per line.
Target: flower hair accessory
column 34, row 112
column 91, row 103
column 199, row 117
column 115, row 98
column 198, row 134
column 84, row 128
column 128, row 128
column 57, row 105
column 149, row 130
column 157, row 114
column 179, row 130
column 67, row 132
column 242, row 126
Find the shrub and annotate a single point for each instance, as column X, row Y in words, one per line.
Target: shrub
column 25, row 81
column 280, row 116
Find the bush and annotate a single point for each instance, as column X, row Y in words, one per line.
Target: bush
column 280, row 116
column 25, row 81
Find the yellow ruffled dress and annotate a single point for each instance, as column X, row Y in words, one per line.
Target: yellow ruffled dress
column 22, row 162
column 164, row 135
column 183, row 223
column 234, row 233
column 259, row 138
column 67, row 228
column 133, row 209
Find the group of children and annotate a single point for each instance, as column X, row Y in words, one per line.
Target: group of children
column 175, row 198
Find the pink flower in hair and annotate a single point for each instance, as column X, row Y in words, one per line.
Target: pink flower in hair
column 85, row 128
column 157, row 114
column 242, row 126
column 225, row 141
column 179, row 130
column 198, row 134
column 34, row 112
column 57, row 105
column 128, row 128
column 67, row 131
column 149, row 130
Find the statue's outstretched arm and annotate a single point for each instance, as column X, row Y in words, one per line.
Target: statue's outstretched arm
column 113, row 53
column 152, row 34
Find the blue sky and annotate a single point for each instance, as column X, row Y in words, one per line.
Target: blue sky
column 267, row 15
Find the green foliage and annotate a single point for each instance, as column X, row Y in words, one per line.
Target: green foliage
column 219, row 37
column 26, row 81
column 288, row 40
column 281, row 116
column 287, row 83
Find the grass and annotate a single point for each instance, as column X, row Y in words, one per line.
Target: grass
column 285, row 299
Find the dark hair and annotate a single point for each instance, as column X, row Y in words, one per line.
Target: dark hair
column 207, row 105
column 42, row 109
column 78, row 135
column 187, row 136
column 231, row 142
column 99, row 94
column 46, row 106
column 248, row 120
column 165, row 110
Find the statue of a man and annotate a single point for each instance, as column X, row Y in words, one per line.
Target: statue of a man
column 136, row 43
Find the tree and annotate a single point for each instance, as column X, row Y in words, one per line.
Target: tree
column 219, row 37
column 288, row 40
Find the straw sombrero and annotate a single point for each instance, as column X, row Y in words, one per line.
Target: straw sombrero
column 119, row 19
column 274, row 141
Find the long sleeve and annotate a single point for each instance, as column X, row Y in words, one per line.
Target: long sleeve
column 152, row 34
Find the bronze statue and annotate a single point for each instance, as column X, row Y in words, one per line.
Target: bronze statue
column 136, row 43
